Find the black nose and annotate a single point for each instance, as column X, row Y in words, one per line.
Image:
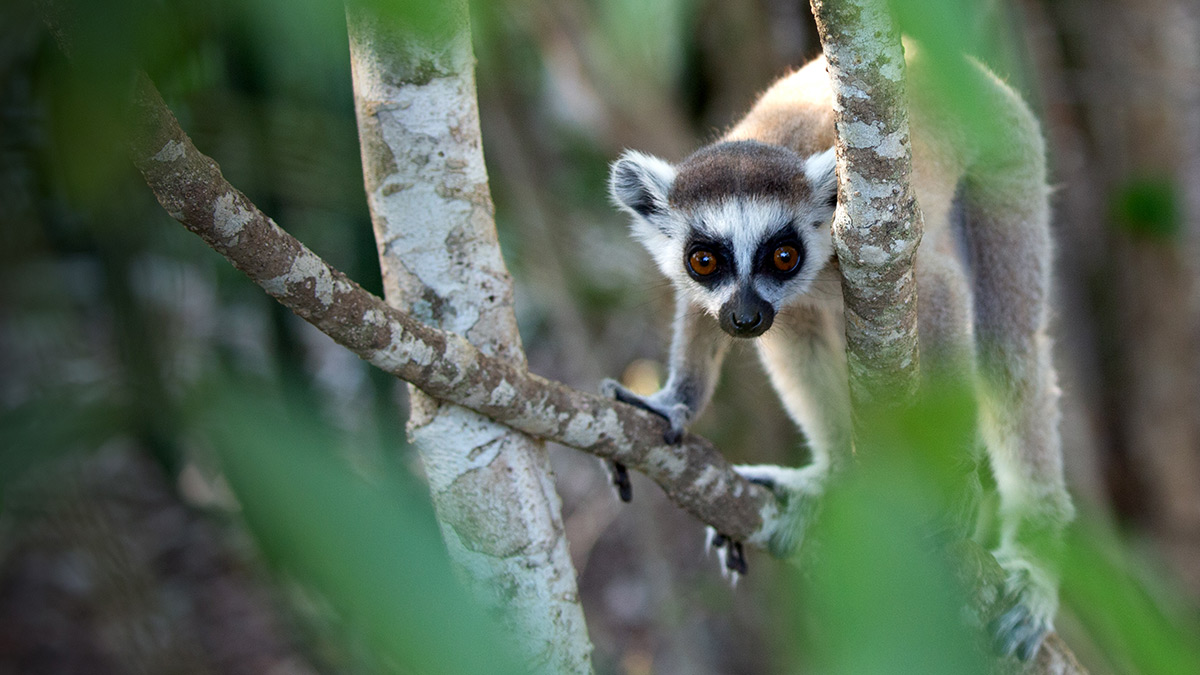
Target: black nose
column 746, row 315
column 746, row 323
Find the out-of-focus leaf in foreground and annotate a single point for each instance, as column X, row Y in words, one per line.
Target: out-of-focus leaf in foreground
column 1137, row 623
column 372, row 550
column 884, row 593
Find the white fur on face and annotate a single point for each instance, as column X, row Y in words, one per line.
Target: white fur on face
column 743, row 223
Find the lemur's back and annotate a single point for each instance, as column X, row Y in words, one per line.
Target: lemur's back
column 796, row 112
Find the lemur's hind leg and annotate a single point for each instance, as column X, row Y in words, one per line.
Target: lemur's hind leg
column 1006, row 224
column 948, row 364
column 698, row 348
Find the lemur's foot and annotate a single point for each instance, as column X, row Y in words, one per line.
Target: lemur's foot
column 797, row 492
column 1031, row 598
column 677, row 414
column 731, row 554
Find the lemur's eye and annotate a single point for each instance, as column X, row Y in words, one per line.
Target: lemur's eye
column 786, row 258
column 702, row 262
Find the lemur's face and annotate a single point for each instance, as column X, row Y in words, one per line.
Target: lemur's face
column 742, row 227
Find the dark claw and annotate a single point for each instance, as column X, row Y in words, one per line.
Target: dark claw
column 1029, row 646
column 672, row 436
column 733, row 554
column 1003, row 624
column 735, row 558
column 620, row 480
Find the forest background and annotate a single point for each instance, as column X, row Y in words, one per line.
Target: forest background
column 137, row 532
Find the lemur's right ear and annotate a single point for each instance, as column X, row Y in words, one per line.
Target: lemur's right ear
column 640, row 183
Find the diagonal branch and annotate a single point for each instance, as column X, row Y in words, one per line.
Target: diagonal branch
column 189, row 185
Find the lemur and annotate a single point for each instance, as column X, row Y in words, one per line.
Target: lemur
column 742, row 228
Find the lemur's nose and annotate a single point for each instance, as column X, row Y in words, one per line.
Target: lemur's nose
column 747, row 323
column 746, row 315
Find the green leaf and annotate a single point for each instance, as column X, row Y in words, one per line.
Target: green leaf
column 372, row 549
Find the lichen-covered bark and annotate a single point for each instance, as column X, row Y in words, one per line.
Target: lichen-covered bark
column 431, row 207
column 878, row 224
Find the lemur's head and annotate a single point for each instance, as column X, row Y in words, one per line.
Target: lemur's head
column 741, row 226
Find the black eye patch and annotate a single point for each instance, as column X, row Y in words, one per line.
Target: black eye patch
column 781, row 256
column 708, row 261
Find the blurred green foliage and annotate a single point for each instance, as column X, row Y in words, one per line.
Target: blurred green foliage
column 371, row 547
column 883, row 588
column 1138, row 623
column 950, row 33
column 1149, row 207
column 881, row 592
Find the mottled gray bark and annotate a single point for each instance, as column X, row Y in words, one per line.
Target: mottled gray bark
column 878, row 224
column 427, row 188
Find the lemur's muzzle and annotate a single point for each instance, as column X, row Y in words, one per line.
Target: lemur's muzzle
column 746, row 315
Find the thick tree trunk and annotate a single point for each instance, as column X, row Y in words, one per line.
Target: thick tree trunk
column 427, row 190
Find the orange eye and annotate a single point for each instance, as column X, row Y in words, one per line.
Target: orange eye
column 702, row 262
column 786, row 258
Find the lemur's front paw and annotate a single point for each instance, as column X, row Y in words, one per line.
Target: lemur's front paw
column 1031, row 598
column 797, row 493
column 731, row 554
column 677, row 414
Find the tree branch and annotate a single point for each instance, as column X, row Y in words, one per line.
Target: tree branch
column 189, row 185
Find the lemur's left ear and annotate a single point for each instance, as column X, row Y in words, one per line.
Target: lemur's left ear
column 640, row 183
column 821, row 171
